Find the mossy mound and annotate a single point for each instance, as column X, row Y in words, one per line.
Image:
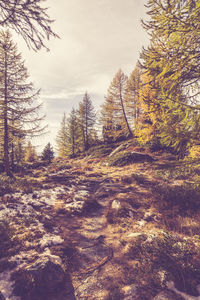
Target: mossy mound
column 101, row 150
column 124, row 158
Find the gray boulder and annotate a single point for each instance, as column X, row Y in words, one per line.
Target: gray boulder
column 43, row 279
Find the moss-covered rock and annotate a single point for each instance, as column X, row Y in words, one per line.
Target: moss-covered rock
column 100, row 150
column 124, row 158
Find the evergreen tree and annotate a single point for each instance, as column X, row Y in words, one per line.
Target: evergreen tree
column 17, row 112
column 48, row 153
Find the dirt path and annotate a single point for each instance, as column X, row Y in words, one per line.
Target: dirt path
column 86, row 233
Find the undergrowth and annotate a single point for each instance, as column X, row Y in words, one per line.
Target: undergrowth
column 166, row 258
column 16, row 184
column 181, row 199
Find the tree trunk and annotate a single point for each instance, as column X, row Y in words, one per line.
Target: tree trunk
column 6, row 135
column 124, row 113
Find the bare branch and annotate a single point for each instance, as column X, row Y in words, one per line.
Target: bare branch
column 29, row 19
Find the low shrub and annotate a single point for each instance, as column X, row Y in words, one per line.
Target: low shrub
column 6, row 184
column 12, row 185
column 7, row 243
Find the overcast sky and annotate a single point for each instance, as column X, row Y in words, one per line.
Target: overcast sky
column 97, row 37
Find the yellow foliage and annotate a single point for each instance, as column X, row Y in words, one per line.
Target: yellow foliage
column 147, row 122
column 194, row 152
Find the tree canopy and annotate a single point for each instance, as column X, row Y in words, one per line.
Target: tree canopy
column 172, row 64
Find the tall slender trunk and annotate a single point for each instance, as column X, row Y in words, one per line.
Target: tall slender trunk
column 83, row 134
column 73, row 142
column 6, row 135
column 86, row 129
column 12, row 145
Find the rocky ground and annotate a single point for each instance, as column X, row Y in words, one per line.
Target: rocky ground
column 90, row 230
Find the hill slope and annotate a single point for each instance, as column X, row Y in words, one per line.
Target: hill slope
column 86, row 229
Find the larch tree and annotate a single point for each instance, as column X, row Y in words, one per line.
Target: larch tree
column 62, row 138
column 30, row 153
column 73, row 133
column 86, row 115
column 172, row 59
column 108, row 120
column 114, row 110
column 148, row 119
column 18, row 112
column 132, row 102
column 29, row 19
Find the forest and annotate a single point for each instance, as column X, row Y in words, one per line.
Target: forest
column 158, row 104
column 112, row 211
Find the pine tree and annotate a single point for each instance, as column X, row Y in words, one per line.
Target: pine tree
column 47, row 153
column 17, row 113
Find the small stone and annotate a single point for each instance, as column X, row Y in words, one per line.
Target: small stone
column 130, row 292
column 135, row 234
column 166, row 295
column 116, row 205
